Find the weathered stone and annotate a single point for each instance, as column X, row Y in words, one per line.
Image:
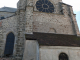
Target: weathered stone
column 29, row 20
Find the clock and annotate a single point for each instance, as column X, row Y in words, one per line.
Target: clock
column 44, row 6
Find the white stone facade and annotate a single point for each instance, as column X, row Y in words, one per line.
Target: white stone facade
column 53, row 52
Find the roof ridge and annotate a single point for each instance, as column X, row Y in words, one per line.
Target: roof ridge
column 8, row 7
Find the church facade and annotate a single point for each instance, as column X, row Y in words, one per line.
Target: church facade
column 39, row 30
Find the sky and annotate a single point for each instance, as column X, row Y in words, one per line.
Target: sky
column 74, row 3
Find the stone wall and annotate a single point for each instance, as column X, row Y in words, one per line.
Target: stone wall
column 21, row 34
column 53, row 52
column 50, row 22
column 44, row 22
column 31, row 51
column 21, row 4
column 4, row 58
column 29, row 20
column 7, row 59
column 8, row 25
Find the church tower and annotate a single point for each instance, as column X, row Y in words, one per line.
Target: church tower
column 48, row 16
column 46, row 25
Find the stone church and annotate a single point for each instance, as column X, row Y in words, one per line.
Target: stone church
column 39, row 30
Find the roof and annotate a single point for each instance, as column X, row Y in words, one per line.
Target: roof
column 8, row 9
column 49, row 39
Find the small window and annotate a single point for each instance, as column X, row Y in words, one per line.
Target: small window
column 2, row 18
column 63, row 56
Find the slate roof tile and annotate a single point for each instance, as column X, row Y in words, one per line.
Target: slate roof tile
column 48, row 39
column 8, row 9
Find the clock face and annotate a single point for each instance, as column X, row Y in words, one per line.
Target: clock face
column 44, row 6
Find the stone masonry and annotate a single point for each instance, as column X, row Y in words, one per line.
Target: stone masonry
column 29, row 20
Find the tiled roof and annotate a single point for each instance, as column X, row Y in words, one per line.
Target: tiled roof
column 47, row 39
column 8, row 9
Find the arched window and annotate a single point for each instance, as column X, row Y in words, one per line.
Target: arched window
column 63, row 56
column 9, row 45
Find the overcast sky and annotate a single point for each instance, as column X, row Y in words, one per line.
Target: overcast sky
column 74, row 3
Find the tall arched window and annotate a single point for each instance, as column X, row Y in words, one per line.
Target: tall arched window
column 63, row 56
column 9, row 46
